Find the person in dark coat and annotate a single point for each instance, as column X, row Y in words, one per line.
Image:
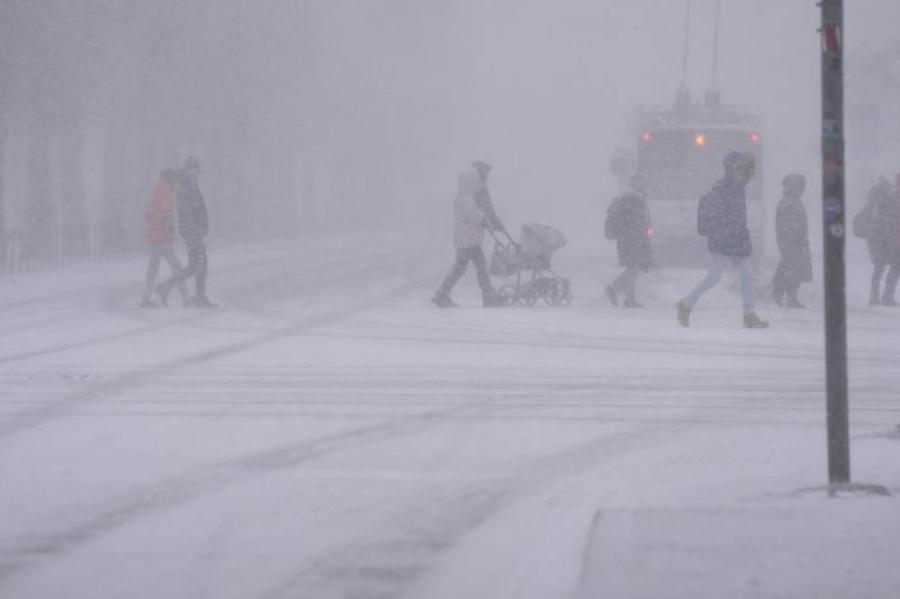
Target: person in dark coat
column 193, row 226
column 883, row 207
column 722, row 219
column 628, row 222
column 792, row 234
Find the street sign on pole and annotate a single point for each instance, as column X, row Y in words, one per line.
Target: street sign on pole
column 833, row 206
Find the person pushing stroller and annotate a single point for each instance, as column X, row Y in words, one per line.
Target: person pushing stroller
column 473, row 212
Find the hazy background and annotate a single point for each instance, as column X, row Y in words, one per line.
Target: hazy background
column 312, row 116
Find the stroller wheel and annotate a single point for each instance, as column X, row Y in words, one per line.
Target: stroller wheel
column 529, row 297
column 508, row 295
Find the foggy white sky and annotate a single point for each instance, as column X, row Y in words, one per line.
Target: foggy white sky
column 319, row 111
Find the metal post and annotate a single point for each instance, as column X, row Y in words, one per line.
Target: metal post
column 833, row 240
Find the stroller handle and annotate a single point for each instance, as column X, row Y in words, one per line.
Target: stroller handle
column 509, row 239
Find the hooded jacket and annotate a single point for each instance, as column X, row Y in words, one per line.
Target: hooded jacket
column 632, row 218
column 727, row 222
column 468, row 227
column 792, row 234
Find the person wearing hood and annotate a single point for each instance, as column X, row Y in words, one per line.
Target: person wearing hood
column 628, row 222
column 879, row 224
column 722, row 219
column 468, row 235
column 193, row 225
column 792, row 235
column 160, row 234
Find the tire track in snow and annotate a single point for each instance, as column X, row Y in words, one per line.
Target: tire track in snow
column 180, row 320
column 94, row 392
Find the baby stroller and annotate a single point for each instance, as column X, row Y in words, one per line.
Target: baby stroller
column 529, row 261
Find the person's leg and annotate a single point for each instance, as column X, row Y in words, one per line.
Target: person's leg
column 779, row 283
column 877, row 273
column 458, row 270
column 751, row 319
column 716, row 268
column 890, row 285
column 152, row 271
column 202, row 269
column 628, row 284
column 183, row 275
column 617, row 286
column 792, row 301
column 488, row 294
column 745, row 269
column 175, row 266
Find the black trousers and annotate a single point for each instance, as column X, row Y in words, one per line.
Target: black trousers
column 627, row 283
column 463, row 257
column 783, row 282
column 197, row 267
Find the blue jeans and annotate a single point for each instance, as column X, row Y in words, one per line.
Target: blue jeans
column 716, row 268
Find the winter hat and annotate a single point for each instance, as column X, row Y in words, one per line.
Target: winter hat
column 191, row 163
column 731, row 160
column 793, row 183
column 483, row 168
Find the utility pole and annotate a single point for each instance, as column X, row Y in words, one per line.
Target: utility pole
column 833, row 205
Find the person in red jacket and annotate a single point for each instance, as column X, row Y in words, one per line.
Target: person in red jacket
column 160, row 234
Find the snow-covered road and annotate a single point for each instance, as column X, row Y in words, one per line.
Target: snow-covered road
column 329, row 433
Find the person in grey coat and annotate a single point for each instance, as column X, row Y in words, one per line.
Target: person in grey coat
column 468, row 235
column 792, row 234
column 628, row 222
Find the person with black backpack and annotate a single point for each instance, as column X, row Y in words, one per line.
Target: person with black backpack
column 628, row 223
column 879, row 224
column 792, row 234
column 722, row 219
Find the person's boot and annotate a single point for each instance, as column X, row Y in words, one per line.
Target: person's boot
column 778, row 296
column 611, row 294
column 162, row 290
column 752, row 321
column 632, row 303
column 202, row 302
column 684, row 313
column 442, row 300
column 148, row 304
column 794, row 303
column 888, row 300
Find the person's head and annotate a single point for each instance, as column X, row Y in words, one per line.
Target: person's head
column 637, row 183
column 482, row 168
column 793, row 184
column 739, row 167
column 191, row 168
